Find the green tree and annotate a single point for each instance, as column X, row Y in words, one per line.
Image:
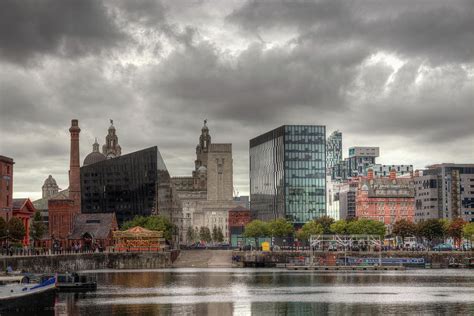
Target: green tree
column 431, row 229
column 205, row 234
column 366, row 226
column 16, row 229
column 220, row 235
column 157, row 223
column 281, row 228
column 38, row 228
column 214, row 234
column 339, row 227
column 308, row 229
column 468, row 231
column 190, row 234
column 256, row 228
column 325, row 222
column 3, row 228
column 404, row 228
column 455, row 230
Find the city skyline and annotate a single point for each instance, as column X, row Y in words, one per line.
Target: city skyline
column 159, row 69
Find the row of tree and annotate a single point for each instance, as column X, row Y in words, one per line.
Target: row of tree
column 435, row 229
column 323, row 225
column 432, row 229
column 204, row 234
column 15, row 231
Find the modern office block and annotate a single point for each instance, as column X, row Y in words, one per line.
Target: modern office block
column 287, row 173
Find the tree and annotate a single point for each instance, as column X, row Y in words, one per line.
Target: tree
column 366, row 226
column 220, row 235
column 431, row 229
column 256, row 228
column 281, row 228
column 190, row 234
column 205, row 234
column 339, row 227
column 326, row 223
column 38, row 228
column 3, row 228
column 468, row 232
column 154, row 222
column 308, row 229
column 455, row 230
column 16, row 229
column 214, row 234
column 404, row 228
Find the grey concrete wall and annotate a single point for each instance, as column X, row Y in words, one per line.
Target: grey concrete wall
column 91, row 261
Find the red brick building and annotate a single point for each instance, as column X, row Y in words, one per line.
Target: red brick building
column 6, row 187
column 238, row 217
column 386, row 199
column 62, row 212
column 24, row 210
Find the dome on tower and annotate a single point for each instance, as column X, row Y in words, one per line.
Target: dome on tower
column 50, row 181
column 94, row 156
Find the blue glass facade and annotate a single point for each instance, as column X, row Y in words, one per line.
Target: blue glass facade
column 287, row 173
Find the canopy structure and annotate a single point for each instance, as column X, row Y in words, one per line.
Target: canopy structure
column 138, row 239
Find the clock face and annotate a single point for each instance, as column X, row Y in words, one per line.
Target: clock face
column 110, row 155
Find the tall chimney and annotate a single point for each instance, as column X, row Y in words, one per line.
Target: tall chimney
column 74, row 171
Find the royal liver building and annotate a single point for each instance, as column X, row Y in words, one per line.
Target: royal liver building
column 206, row 197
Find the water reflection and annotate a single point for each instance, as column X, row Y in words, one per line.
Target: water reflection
column 273, row 292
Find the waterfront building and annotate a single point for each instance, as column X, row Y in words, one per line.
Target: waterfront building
column 360, row 158
column 134, row 184
column 333, row 188
column 288, row 174
column 6, row 187
column 205, row 197
column 333, row 153
column 111, row 148
column 90, row 230
column 24, row 210
column 445, row 191
column 385, row 199
column 238, row 217
column 384, row 170
column 347, row 198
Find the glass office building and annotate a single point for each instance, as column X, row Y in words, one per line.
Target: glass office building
column 288, row 174
column 134, row 184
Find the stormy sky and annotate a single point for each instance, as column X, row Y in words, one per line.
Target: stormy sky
column 394, row 74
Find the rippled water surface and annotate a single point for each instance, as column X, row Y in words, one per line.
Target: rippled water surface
column 274, row 292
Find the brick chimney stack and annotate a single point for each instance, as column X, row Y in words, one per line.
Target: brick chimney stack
column 74, row 167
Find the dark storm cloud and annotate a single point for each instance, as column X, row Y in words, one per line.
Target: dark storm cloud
column 258, row 83
column 438, row 30
column 66, row 28
column 394, row 74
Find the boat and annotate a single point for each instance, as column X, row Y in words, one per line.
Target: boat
column 17, row 293
column 73, row 282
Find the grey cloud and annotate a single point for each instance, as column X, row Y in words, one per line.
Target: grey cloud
column 55, row 27
column 437, row 30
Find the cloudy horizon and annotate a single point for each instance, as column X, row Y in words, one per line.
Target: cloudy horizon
column 393, row 74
